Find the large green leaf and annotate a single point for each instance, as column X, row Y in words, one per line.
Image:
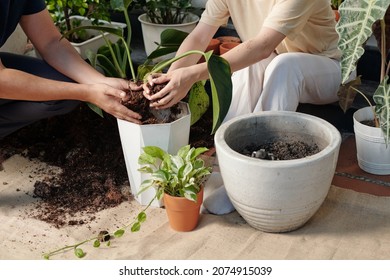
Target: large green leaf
column 199, row 101
column 354, row 28
column 162, row 51
column 170, row 41
column 221, row 88
column 171, row 37
column 382, row 108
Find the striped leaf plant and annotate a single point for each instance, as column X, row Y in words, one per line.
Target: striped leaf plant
column 357, row 18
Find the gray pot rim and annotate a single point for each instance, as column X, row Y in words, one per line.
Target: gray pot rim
column 333, row 146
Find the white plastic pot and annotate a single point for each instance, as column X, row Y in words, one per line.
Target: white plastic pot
column 282, row 195
column 151, row 31
column 169, row 137
column 97, row 40
column 372, row 153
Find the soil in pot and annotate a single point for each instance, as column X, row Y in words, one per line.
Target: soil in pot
column 135, row 101
column 281, row 150
column 369, row 123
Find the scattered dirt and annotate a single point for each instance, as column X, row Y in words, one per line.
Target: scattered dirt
column 88, row 150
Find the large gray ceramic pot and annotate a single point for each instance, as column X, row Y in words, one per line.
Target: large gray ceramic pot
column 282, row 195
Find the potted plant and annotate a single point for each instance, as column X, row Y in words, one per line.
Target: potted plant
column 163, row 14
column 272, row 191
column 354, row 28
column 69, row 14
column 172, row 135
column 178, row 177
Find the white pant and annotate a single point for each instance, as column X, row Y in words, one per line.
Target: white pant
column 281, row 82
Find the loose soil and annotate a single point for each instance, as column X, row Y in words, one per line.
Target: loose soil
column 88, row 150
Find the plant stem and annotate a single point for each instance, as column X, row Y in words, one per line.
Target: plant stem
column 114, row 58
column 383, row 49
column 369, row 102
column 67, row 20
column 75, row 246
column 128, row 41
column 67, row 247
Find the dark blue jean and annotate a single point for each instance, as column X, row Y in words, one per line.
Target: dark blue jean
column 15, row 114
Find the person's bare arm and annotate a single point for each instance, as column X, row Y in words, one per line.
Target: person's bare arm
column 58, row 52
column 182, row 78
column 93, row 87
column 198, row 39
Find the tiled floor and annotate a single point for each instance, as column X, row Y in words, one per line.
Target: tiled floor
column 349, row 175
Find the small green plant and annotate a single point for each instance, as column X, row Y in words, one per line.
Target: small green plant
column 62, row 10
column 354, row 28
column 116, row 59
column 335, row 4
column 179, row 175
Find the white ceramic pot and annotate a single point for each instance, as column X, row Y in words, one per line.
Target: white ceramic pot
column 97, row 40
column 151, row 31
column 169, row 137
column 198, row 3
column 372, row 153
column 277, row 196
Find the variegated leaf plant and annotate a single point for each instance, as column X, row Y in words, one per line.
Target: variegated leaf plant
column 354, row 28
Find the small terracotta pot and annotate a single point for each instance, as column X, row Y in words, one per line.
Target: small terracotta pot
column 225, row 47
column 336, row 15
column 214, row 46
column 183, row 214
column 226, row 39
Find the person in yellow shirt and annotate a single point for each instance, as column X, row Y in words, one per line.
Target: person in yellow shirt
column 288, row 56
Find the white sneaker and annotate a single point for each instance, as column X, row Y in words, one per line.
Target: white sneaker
column 216, row 200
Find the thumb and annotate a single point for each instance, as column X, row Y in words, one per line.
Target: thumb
column 116, row 93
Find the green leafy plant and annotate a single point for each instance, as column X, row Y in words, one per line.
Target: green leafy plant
column 179, row 175
column 354, row 28
column 165, row 11
column 62, row 10
column 336, row 4
column 116, row 59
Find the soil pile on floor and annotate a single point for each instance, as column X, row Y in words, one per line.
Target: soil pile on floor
column 88, row 150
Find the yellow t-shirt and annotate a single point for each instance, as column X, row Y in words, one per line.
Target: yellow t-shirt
column 309, row 25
